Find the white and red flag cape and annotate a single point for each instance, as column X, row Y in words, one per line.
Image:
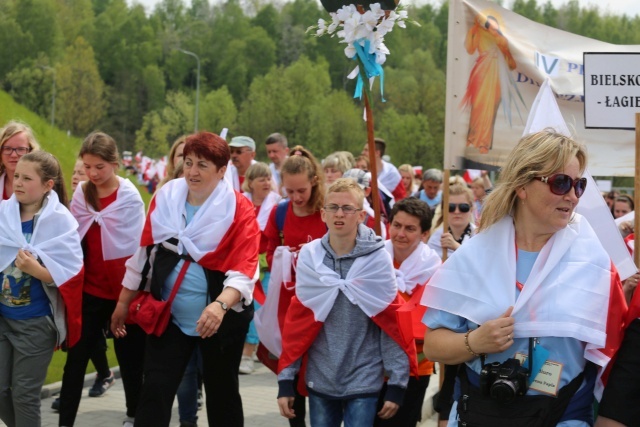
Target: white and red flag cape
column 573, row 289
column 56, row 243
column 390, row 177
column 120, row 223
column 120, row 227
column 412, row 276
column 269, row 319
column 370, row 284
column 222, row 236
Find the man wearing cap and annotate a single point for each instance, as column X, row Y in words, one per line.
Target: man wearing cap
column 388, row 174
column 243, row 150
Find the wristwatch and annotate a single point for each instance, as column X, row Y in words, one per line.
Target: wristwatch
column 224, row 305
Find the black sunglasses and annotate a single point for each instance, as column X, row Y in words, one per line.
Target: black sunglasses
column 560, row 184
column 463, row 207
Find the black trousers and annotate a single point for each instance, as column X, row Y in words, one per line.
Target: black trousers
column 166, row 358
column 96, row 315
column 410, row 412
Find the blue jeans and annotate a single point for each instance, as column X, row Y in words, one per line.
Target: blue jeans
column 188, row 390
column 359, row 412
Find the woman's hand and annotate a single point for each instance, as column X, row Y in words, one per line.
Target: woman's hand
column 448, row 242
column 121, row 312
column 118, row 328
column 630, row 285
column 494, row 336
column 210, row 320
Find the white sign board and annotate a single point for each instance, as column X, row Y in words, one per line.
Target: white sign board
column 611, row 89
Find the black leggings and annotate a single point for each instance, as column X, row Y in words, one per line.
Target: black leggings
column 96, row 315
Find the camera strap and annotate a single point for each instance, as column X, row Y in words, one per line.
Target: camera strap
column 532, row 344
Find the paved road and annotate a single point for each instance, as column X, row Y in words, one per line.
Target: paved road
column 258, row 392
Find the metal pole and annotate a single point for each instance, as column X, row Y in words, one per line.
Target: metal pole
column 197, row 85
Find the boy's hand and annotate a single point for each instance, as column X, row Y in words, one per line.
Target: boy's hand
column 388, row 410
column 286, row 407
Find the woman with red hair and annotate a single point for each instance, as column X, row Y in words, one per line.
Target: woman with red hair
column 202, row 237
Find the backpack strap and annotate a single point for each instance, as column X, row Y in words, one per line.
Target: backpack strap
column 281, row 215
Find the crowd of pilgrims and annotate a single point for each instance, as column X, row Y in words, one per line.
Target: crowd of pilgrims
column 279, row 262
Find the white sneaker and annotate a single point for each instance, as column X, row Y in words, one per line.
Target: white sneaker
column 246, row 365
column 128, row 422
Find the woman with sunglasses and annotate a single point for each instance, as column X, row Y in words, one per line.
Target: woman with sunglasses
column 460, row 226
column 534, row 284
column 16, row 140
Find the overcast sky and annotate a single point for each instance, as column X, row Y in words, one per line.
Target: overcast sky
column 629, row 7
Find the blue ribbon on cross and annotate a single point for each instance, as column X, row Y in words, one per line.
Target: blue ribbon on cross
column 371, row 67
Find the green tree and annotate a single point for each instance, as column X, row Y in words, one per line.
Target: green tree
column 283, row 101
column 160, row 128
column 31, row 85
column 37, row 19
column 81, row 93
column 218, row 111
column 409, row 139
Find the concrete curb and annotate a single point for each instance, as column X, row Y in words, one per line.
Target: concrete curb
column 52, row 389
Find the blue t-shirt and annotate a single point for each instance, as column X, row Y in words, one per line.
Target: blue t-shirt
column 433, row 203
column 22, row 295
column 192, row 296
column 567, row 351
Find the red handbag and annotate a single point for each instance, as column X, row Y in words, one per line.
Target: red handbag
column 153, row 315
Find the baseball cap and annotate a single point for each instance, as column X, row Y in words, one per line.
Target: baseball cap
column 243, row 141
column 361, row 177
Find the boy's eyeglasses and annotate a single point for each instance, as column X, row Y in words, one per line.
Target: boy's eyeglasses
column 20, row 151
column 346, row 209
column 463, row 207
column 560, row 184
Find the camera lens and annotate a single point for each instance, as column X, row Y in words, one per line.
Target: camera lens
column 503, row 391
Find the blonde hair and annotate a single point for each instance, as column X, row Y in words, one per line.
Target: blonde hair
column 171, row 170
column 302, row 161
column 347, row 185
column 255, row 171
column 11, row 129
column 538, row 154
column 456, row 189
column 337, row 161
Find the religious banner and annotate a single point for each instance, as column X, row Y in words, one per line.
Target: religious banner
column 496, row 62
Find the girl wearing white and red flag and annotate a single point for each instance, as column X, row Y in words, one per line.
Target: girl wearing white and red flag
column 534, row 284
column 41, row 275
column 110, row 214
column 293, row 223
column 414, row 263
column 202, row 237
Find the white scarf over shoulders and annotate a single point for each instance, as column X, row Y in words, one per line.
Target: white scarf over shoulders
column 120, row 223
column 268, row 203
column 566, row 295
column 417, row 269
column 370, row 282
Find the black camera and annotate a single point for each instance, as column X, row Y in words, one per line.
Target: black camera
column 504, row 381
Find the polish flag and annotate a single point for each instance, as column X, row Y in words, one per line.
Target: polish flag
column 222, row 236
column 56, row 243
column 370, row 284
